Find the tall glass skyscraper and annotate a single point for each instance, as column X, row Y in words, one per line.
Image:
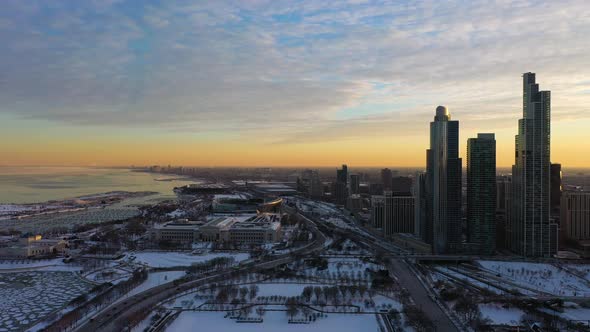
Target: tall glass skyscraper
column 443, row 184
column 532, row 233
column 481, row 192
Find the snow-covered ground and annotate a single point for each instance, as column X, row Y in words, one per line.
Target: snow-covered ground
column 56, row 264
column 543, row 277
column 273, row 321
column 172, row 259
column 279, row 289
column 27, row 297
column 155, row 279
column 499, row 315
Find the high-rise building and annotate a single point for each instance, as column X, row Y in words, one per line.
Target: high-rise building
column 420, row 207
column 575, row 215
column 339, row 188
column 444, row 183
column 386, row 176
column 393, row 214
column 377, row 211
column 481, row 192
column 401, row 185
column 556, row 189
column 354, row 183
column 533, row 235
column 316, row 187
column 342, row 174
column 503, row 208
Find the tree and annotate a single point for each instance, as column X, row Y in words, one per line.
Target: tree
column 292, row 309
column 253, row 291
column 468, row 309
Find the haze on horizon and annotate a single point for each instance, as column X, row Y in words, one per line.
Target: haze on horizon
column 290, row 83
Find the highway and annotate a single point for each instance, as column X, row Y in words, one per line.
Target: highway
column 405, row 275
column 115, row 317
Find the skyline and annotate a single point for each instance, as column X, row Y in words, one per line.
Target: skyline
column 292, row 84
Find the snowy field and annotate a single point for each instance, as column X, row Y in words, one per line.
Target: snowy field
column 56, row 264
column 279, row 289
column 499, row 315
column 543, row 277
column 273, row 321
column 173, row 259
column 155, row 279
column 30, row 296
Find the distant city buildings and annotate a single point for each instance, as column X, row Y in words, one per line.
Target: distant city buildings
column 533, row 234
column 443, row 184
column 401, row 185
column 386, row 176
column 354, row 184
column 481, row 193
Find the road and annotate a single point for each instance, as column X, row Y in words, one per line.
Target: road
column 405, row 275
column 115, row 317
column 409, row 280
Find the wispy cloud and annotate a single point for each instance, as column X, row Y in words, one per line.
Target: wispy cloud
column 288, row 67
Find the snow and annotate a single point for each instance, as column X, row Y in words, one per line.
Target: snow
column 47, row 265
column 176, row 213
column 172, row 259
column 155, row 279
column 543, row 277
column 279, row 289
column 499, row 315
column 28, row 297
column 273, row 321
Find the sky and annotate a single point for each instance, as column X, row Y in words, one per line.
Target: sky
column 282, row 83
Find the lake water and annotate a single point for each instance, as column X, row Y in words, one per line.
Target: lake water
column 40, row 184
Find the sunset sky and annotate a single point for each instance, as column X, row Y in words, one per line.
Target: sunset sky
column 282, row 83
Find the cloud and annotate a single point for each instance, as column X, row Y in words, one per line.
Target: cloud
column 268, row 68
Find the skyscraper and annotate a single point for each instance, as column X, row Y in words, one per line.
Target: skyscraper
column 393, row 214
column 342, row 174
column 386, row 176
column 420, row 206
column 555, row 189
column 444, row 183
column 377, row 211
column 354, row 183
column 503, row 208
column 401, row 185
column 481, row 192
column 575, row 213
column 339, row 188
column 532, row 233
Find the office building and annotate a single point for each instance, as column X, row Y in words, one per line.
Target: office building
column 393, row 214
column 481, row 193
column 533, row 235
column 556, row 189
column 377, row 211
column 420, row 205
column 444, row 184
column 354, row 183
column 340, row 188
column 399, row 214
column 386, row 176
column 575, row 215
column 503, row 208
column 401, row 185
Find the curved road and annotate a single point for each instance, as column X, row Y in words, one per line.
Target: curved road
column 115, row 317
